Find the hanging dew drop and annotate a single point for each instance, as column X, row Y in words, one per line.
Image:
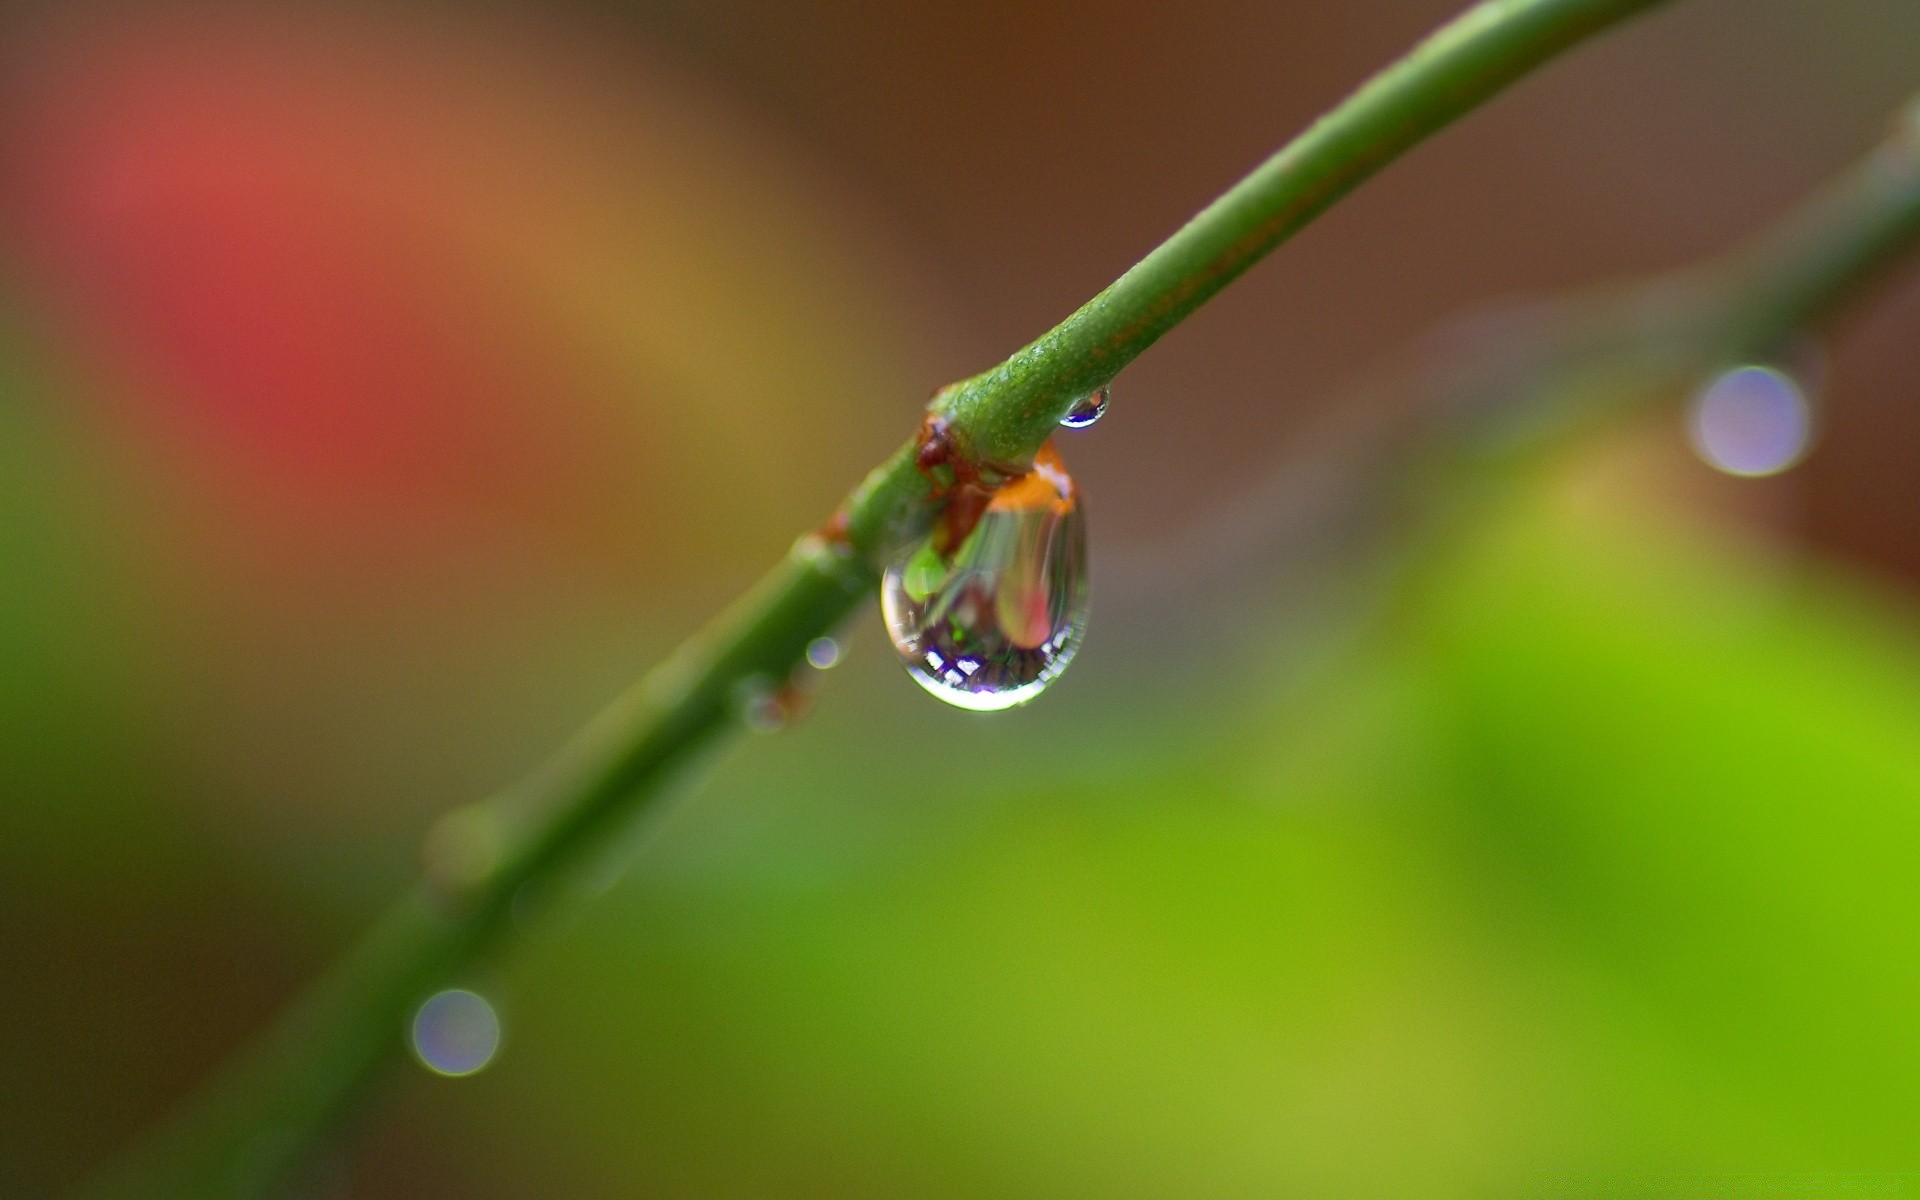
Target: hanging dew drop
column 1086, row 410
column 993, row 624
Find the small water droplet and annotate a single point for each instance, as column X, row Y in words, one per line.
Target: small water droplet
column 992, row 625
column 456, row 1032
column 1751, row 421
column 823, row 652
column 768, row 705
column 1087, row 409
column 762, row 705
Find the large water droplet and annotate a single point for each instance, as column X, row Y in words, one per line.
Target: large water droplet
column 993, row 624
column 1086, row 410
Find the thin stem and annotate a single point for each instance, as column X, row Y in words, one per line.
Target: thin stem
column 1797, row 272
column 260, row 1118
column 1009, row 410
column 1003, row 414
column 1407, row 459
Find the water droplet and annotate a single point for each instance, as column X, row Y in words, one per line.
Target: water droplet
column 762, row 704
column 456, row 1033
column 995, row 623
column 1087, row 409
column 1751, row 421
column 823, row 652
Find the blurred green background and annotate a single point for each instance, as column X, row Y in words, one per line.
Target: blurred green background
column 384, row 387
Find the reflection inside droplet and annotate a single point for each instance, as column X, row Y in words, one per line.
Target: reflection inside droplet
column 1751, row 421
column 995, row 623
column 456, row 1032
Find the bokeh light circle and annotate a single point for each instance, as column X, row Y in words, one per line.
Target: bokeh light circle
column 1751, row 421
column 823, row 652
column 456, row 1033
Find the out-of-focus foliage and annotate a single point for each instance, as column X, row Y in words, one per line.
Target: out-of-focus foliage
column 1588, row 870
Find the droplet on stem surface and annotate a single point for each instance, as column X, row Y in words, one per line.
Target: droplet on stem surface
column 1086, row 410
column 991, row 625
column 766, row 705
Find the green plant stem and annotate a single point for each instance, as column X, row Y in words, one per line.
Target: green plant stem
column 1006, row 412
column 253, row 1124
column 1799, row 271
column 1409, row 459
